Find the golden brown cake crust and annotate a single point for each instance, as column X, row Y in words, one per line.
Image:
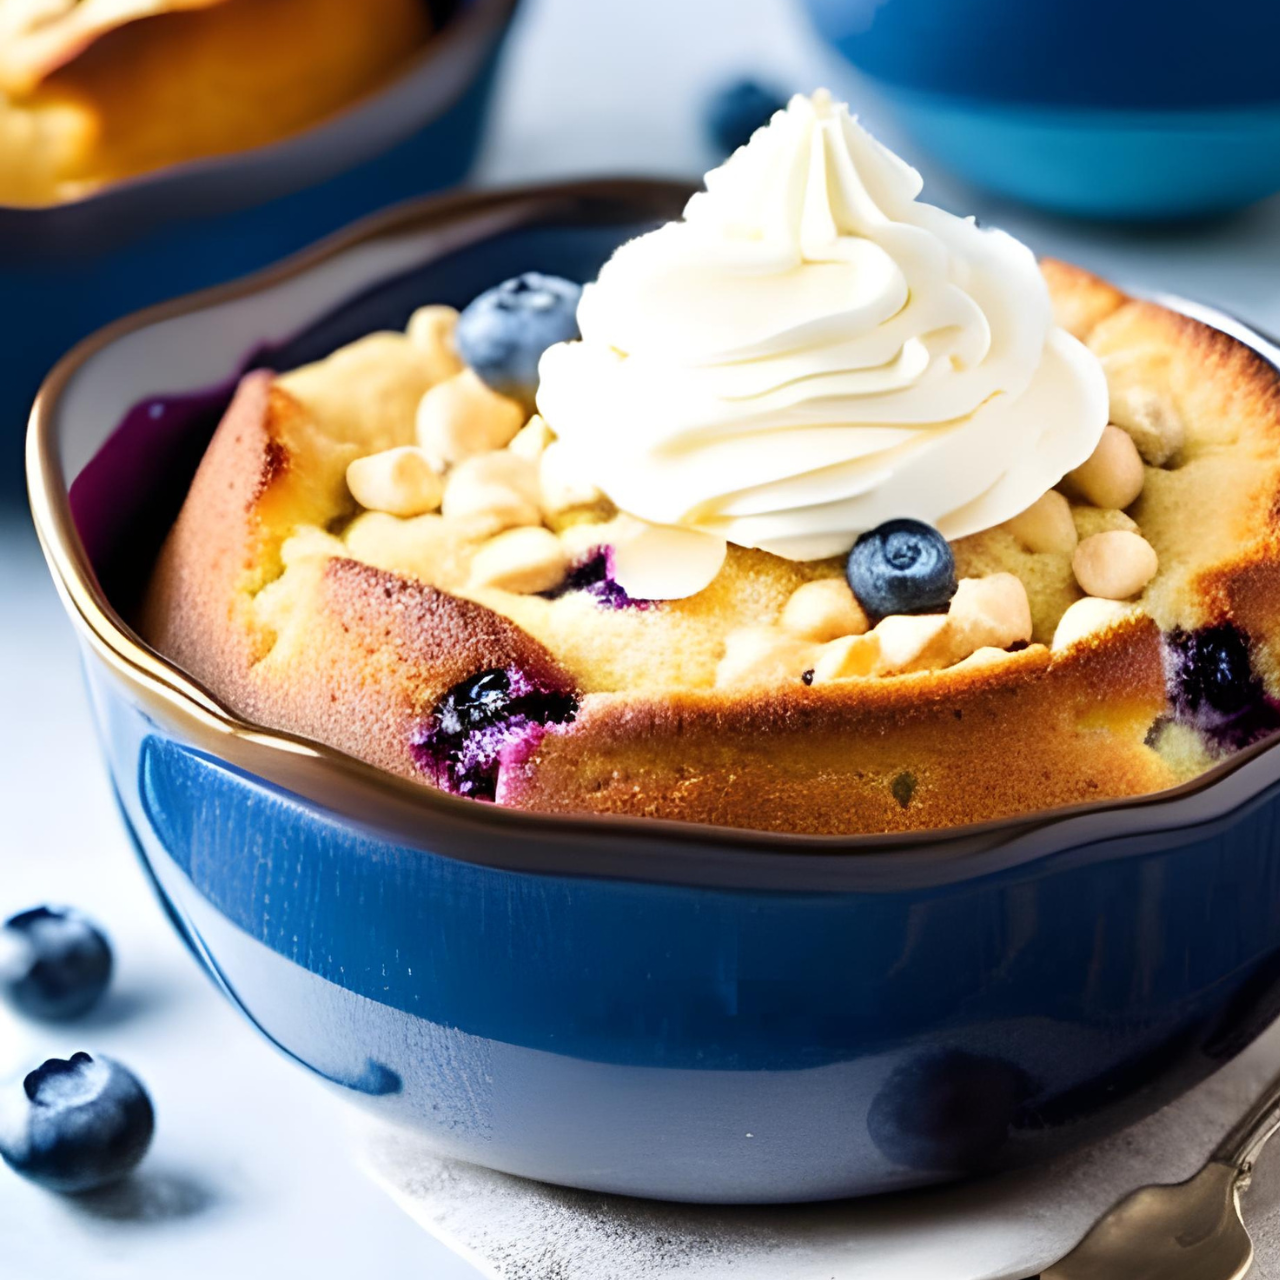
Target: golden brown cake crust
column 364, row 655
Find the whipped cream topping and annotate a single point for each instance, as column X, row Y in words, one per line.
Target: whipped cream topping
column 812, row 351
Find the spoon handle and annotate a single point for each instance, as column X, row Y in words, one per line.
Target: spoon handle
column 1244, row 1141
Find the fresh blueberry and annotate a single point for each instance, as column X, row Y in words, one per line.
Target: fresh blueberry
column 83, row 1123
column 54, row 963
column 904, row 566
column 504, row 332
column 736, row 111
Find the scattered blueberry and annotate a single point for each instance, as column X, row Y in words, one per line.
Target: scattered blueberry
column 480, row 721
column 54, row 963
column 737, row 110
column 904, row 566
column 84, row 1123
column 503, row 333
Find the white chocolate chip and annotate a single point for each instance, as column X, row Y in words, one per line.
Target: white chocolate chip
column 532, row 439
column 461, row 417
column 430, row 329
column 1113, row 475
column 524, row 561
column 1086, row 617
column 823, row 610
column 563, row 486
column 492, row 492
column 1114, row 565
column 763, row 655
column 1046, row 525
column 1141, row 404
column 399, row 481
column 664, row 562
column 847, row 657
column 911, row 642
column 988, row 612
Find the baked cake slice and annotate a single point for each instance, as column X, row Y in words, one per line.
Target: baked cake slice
column 391, row 552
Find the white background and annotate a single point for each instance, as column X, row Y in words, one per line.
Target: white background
column 250, row 1174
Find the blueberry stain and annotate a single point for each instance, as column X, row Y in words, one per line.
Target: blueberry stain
column 482, row 722
column 593, row 575
column 1214, row 688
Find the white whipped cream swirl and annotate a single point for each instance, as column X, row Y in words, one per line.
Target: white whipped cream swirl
column 812, row 351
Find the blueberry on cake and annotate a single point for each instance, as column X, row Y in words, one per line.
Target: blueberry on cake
column 821, row 510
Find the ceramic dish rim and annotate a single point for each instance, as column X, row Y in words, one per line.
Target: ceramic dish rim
column 216, row 728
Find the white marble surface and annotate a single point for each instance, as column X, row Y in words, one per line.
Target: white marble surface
column 250, row 1174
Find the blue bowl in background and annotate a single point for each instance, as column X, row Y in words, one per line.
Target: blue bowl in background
column 659, row 1009
column 67, row 270
column 1137, row 109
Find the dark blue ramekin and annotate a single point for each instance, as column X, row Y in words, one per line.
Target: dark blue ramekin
column 1130, row 109
column 653, row 1008
column 67, row 270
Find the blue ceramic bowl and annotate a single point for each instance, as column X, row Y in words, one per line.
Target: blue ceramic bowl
column 67, row 270
column 653, row 1008
column 1137, row 109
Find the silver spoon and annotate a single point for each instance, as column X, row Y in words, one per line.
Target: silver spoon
column 1190, row 1231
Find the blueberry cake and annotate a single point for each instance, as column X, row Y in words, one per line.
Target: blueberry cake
column 93, row 91
column 821, row 510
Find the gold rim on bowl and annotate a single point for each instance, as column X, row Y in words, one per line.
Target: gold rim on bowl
column 417, row 813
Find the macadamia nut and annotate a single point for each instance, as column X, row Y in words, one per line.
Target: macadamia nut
column 763, row 655
column 990, row 612
column 401, row 482
column 847, row 657
column 430, row 329
column 1087, row 616
column 532, row 439
column 1114, row 565
column 911, row 642
column 824, row 610
column 563, row 486
column 1142, row 404
column 492, row 492
column 1046, row 525
column 521, row 560
column 1113, row 475
column 461, row 417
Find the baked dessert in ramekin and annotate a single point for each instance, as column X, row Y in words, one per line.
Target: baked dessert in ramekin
column 824, row 511
column 95, row 91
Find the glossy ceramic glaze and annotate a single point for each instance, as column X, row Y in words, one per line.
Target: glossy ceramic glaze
column 1146, row 109
column 67, row 270
column 650, row 1008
